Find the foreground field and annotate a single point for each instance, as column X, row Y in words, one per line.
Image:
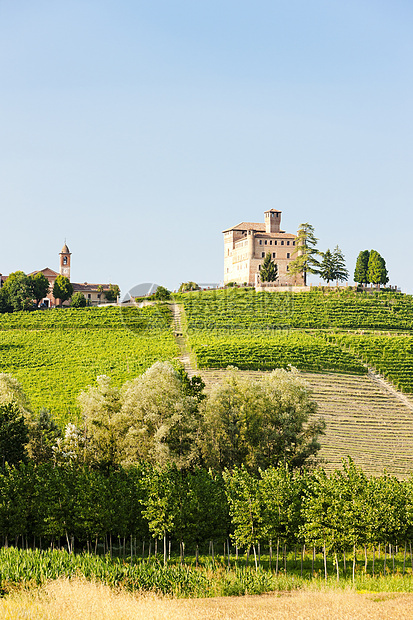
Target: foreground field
column 77, row 600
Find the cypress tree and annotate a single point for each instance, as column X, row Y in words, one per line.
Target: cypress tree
column 376, row 270
column 269, row 270
column 360, row 272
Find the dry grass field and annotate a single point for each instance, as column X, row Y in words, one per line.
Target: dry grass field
column 365, row 419
column 76, row 600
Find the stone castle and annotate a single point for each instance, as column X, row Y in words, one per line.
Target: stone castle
column 246, row 245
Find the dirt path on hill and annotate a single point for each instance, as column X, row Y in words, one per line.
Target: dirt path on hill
column 180, row 339
column 389, row 388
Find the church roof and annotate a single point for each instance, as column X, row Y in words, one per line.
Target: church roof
column 49, row 273
column 65, row 250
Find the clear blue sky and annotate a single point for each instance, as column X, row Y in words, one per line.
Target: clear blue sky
column 139, row 130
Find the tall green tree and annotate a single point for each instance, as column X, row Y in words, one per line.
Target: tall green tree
column 43, row 433
column 333, row 266
column 340, row 271
column 13, row 434
column 18, row 291
column 113, row 293
column 40, row 287
column 376, row 270
column 269, row 270
column 306, row 252
column 62, row 289
column 260, row 423
column 360, row 272
column 327, row 271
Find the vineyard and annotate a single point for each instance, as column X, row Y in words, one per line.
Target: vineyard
column 280, row 349
column 390, row 355
column 244, row 309
column 57, row 353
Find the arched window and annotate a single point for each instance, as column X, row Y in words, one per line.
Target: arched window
column 65, row 260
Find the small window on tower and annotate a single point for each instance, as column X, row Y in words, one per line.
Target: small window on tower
column 273, row 254
column 65, row 260
column 262, row 254
column 288, row 243
column 288, row 255
column 270, row 241
column 282, row 242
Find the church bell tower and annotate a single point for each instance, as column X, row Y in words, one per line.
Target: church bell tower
column 64, row 264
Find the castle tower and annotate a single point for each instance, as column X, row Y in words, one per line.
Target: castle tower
column 64, row 262
column 272, row 221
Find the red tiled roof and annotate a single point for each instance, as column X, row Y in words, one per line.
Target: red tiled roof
column 88, row 288
column 257, row 226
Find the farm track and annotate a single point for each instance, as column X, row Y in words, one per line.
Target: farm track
column 180, row 339
column 365, row 419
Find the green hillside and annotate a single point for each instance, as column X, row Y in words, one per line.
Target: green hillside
column 57, row 353
column 318, row 331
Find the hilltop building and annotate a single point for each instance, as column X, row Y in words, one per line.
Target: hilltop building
column 94, row 293
column 246, row 245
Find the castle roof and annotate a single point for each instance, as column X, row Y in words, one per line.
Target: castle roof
column 257, row 226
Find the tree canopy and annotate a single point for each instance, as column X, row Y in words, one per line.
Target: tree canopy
column 40, row 287
column 376, row 270
column 333, row 266
column 62, row 289
column 269, row 270
column 360, row 272
column 306, row 252
column 260, row 423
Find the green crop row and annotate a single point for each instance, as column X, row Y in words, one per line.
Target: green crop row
column 240, row 309
column 55, row 364
column 110, row 317
column 266, row 352
column 390, row 355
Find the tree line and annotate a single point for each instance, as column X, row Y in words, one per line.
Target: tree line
column 25, row 292
column 163, row 417
column 329, row 265
column 348, row 517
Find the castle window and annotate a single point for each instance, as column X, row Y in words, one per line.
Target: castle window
column 270, row 241
column 260, row 241
column 262, row 254
column 277, row 214
column 288, row 243
column 288, row 255
column 293, row 242
column 259, row 267
column 265, row 242
column 275, row 242
column 273, row 254
column 282, row 242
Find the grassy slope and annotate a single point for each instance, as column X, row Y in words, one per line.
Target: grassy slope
column 57, row 353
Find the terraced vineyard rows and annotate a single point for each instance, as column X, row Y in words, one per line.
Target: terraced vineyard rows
column 364, row 421
column 391, row 355
column 241, row 309
column 57, row 353
column 275, row 350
